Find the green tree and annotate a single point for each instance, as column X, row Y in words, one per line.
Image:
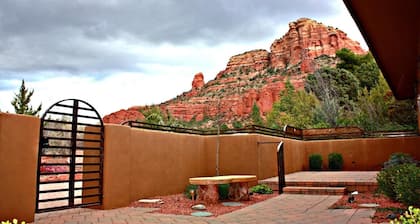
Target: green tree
column 295, row 108
column 154, row 115
column 377, row 109
column 337, row 90
column 237, row 124
column 363, row 67
column 336, row 83
column 224, row 127
column 255, row 115
column 22, row 99
column 368, row 74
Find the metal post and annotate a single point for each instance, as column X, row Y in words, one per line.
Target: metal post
column 73, row 152
column 418, row 93
column 280, row 167
column 218, row 139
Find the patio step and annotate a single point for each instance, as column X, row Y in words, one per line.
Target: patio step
column 314, row 190
column 351, row 180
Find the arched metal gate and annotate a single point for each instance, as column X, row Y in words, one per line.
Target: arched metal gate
column 70, row 157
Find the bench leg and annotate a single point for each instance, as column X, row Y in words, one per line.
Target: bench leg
column 208, row 193
column 238, row 191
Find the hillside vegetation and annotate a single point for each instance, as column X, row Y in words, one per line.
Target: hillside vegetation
column 353, row 93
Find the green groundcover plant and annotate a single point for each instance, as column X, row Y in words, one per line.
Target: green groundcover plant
column 261, row 189
column 14, row 221
column 412, row 216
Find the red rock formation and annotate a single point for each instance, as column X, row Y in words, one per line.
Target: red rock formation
column 256, row 59
column 306, row 40
column 256, row 76
column 120, row 116
column 198, row 81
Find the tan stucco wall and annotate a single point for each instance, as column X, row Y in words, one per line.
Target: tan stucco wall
column 235, row 154
column 162, row 162
column 19, row 136
column 141, row 163
column 362, row 154
column 116, row 170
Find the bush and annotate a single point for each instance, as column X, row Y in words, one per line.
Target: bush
column 237, row 124
column 223, row 191
column 187, row 191
column 261, row 189
column 335, row 161
column 398, row 158
column 401, row 183
column 315, row 162
column 407, row 184
column 411, row 216
column 386, row 181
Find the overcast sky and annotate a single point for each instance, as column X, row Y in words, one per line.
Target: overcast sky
column 120, row 53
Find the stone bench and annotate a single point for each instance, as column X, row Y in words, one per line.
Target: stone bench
column 208, row 190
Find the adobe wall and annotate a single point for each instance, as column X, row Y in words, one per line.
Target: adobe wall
column 362, row 154
column 252, row 154
column 162, row 162
column 141, row 163
column 144, row 163
column 19, row 136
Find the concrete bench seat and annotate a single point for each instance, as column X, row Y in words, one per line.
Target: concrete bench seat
column 208, row 190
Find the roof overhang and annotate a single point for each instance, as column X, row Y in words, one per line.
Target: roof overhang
column 391, row 30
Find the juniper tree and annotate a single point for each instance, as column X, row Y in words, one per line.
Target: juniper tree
column 22, row 99
column 255, row 115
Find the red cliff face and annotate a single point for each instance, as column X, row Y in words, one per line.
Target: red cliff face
column 256, row 76
column 306, row 40
column 120, row 116
column 257, row 60
column 198, row 81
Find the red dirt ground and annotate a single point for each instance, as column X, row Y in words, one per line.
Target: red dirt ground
column 386, row 205
column 178, row 204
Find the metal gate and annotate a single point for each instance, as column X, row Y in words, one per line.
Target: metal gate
column 70, row 157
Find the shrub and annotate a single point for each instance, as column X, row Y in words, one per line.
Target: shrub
column 398, row 158
column 386, row 181
column 188, row 189
column 335, row 161
column 261, row 189
column 237, row 124
column 409, row 217
column 224, row 127
column 401, row 183
column 315, row 162
column 407, row 184
column 223, row 191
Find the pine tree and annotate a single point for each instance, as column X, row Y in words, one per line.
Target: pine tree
column 22, row 99
column 255, row 115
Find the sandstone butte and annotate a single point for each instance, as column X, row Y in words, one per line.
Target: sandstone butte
column 255, row 76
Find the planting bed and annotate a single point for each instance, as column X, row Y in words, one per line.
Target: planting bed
column 386, row 205
column 178, row 204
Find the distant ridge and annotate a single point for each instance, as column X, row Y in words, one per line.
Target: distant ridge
column 256, row 76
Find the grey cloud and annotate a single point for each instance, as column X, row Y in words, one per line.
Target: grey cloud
column 73, row 36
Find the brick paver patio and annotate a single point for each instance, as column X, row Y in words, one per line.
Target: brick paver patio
column 285, row 208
